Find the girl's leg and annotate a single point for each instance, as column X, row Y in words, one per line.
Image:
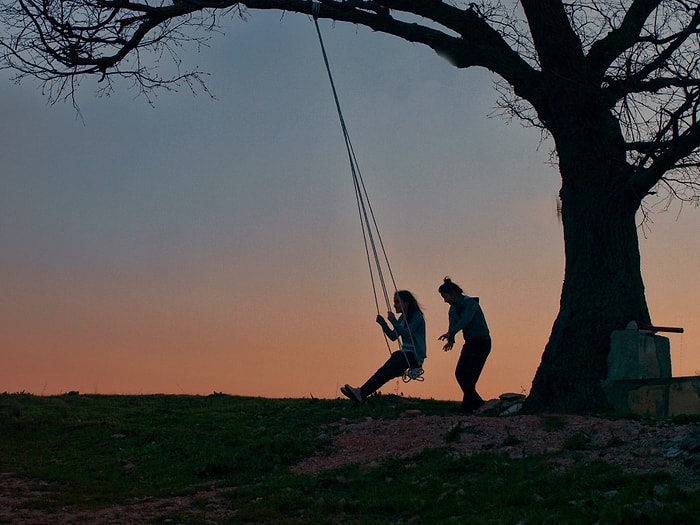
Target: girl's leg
column 394, row 367
column 469, row 366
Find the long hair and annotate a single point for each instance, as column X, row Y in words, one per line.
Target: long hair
column 410, row 302
column 448, row 286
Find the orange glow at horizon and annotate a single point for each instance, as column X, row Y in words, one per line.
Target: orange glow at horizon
column 125, row 337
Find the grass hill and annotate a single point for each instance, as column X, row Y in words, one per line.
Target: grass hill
column 225, row 459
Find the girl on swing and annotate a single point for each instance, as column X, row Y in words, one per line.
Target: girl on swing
column 410, row 327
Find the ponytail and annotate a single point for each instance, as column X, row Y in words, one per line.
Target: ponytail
column 448, row 286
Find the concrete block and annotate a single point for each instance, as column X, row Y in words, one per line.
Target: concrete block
column 659, row 398
column 648, row 400
column 684, row 396
column 638, row 355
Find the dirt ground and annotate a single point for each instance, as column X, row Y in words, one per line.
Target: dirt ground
column 633, row 446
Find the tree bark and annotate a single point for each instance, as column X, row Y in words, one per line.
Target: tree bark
column 603, row 288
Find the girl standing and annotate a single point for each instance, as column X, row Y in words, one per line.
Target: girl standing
column 465, row 315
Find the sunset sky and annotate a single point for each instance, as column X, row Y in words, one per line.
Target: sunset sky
column 203, row 245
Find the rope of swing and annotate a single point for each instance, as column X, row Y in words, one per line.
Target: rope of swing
column 368, row 220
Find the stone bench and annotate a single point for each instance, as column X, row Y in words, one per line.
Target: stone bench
column 640, row 380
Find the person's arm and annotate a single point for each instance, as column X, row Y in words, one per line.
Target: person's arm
column 399, row 327
column 461, row 317
column 459, row 320
column 448, row 337
column 388, row 331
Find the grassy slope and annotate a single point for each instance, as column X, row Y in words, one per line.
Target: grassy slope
column 103, row 450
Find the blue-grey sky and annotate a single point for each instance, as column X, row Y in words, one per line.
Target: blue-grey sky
column 212, row 244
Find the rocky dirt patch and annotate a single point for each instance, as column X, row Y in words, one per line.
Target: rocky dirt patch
column 634, row 446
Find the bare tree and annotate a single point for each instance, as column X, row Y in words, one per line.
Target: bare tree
column 615, row 84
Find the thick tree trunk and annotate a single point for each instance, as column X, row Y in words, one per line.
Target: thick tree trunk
column 603, row 288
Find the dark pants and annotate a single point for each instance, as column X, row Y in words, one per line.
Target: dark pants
column 469, row 366
column 395, row 366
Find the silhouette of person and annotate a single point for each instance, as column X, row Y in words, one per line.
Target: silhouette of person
column 410, row 328
column 465, row 315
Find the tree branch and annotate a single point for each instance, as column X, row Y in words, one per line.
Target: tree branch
column 606, row 50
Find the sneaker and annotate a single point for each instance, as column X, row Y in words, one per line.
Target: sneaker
column 355, row 394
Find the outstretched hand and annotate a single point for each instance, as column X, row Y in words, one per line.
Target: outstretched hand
column 449, row 341
column 379, row 318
